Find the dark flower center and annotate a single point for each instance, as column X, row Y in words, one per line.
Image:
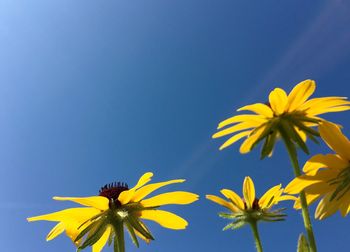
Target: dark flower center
column 255, row 205
column 112, row 192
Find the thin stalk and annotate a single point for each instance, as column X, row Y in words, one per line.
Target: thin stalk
column 305, row 211
column 257, row 240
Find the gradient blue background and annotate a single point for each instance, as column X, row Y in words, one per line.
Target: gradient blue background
column 93, row 92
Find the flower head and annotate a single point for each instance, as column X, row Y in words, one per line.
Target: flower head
column 251, row 209
column 104, row 217
column 288, row 116
column 327, row 176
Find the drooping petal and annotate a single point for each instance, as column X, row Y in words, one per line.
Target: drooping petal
column 178, row 197
column 248, row 192
column 235, row 128
column 345, row 205
column 165, row 219
column 242, row 118
column 234, row 197
column 330, row 161
column 148, row 189
column 248, row 143
column 126, row 196
column 98, row 202
column 98, row 246
column 300, row 93
column 223, row 203
column 278, row 100
column 266, row 200
column 258, row 108
column 67, row 214
column 55, row 231
column 234, row 139
column 334, row 138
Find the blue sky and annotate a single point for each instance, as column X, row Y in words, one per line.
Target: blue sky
column 93, row 92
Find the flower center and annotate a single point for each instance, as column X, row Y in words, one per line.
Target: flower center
column 255, row 205
column 112, row 191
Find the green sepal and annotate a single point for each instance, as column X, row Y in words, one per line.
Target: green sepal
column 135, row 223
column 132, row 233
column 269, row 143
column 293, row 134
column 234, row 225
column 269, row 128
column 303, row 245
column 95, row 235
column 306, row 129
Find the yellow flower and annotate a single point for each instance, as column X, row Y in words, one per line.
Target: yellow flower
column 251, row 209
column 104, row 217
column 287, row 116
column 327, row 176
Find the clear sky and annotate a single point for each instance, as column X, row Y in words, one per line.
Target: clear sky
column 93, row 92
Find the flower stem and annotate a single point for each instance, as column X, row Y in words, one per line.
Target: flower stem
column 257, row 240
column 305, row 211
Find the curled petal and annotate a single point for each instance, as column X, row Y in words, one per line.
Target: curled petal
column 126, row 196
column 236, row 200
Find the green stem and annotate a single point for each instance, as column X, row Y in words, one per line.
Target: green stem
column 257, row 240
column 305, row 211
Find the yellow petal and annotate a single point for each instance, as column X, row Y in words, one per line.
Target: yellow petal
column 222, row 202
column 345, row 205
column 98, row 202
column 322, row 102
column 165, row 219
column 67, row 214
column 242, row 118
column 303, row 182
column 319, row 161
column 259, row 108
column 148, row 189
column 248, row 192
column 98, row 246
column 234, row 139
column 126, row 196
column 235, row 128
column 334, row 138
column 57, row 230
column 248, row 143
column 179, row 197
column 234, row 197
column 300, row 93
column 326, row 207
column 267, row 199
column 278, row 100
column 310, row 198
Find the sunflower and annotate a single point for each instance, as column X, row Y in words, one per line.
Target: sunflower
column 104, row 217
column 327, row 177
column 251, row 209
column 289, row 116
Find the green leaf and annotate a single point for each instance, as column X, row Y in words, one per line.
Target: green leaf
column 303, row 245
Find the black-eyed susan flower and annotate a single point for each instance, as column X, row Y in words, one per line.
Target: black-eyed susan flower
column 251, row 209
column 104, row 217
column 288, row 116
column 327, row 177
